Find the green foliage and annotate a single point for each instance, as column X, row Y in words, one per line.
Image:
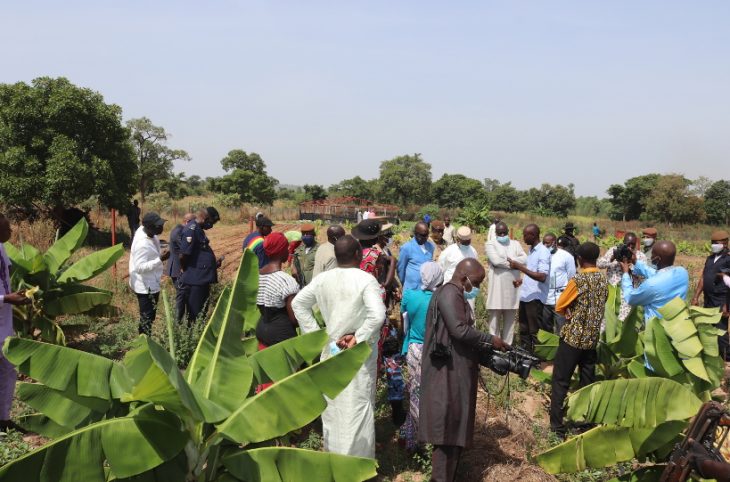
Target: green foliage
column 476, row 216
column 12, row 446
column 629, row 201
column 550, row 200
column 56, row 283
column 154, row 158
column 717, row 203
column 315, row 192
column 355, row 187
column 60, row 144
column 504, row 197
column 430, row 209
column 547, row 345
column 591, row 206
column 228, row 200
column 456, row 190
column 671, row 201
column 206, row 425
column 405, row 180
column 247, row 178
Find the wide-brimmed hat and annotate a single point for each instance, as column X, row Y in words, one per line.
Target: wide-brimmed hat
column 386, row 227
column 366, row 229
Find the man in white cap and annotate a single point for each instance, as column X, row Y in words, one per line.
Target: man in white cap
column 452, row 255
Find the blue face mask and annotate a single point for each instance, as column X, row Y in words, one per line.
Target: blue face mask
column 470, row 295
column 503, row 239
column 308, row 240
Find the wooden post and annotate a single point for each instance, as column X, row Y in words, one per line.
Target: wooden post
column 250, row 224
column 114, row 237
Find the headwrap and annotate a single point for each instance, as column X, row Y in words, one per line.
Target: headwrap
column 276, row 246
column 432, row 276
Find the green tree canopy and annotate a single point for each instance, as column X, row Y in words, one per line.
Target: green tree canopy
column 629, row 200
column 154, row 158
column 247, row 177
column 405, row 180
column 551, row 200
column 355, row 187
column 671, row 201
column 717, row 202
column 315, row 192
column 61, row 144
column 456, row 191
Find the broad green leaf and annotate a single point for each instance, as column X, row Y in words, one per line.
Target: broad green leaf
column 92, row 264
column 156, row 378
column 625, row 345
column 250, row 345
column 688, row 348
column 284, row 464
column 607, row 445
column 541, row 376
column 175, row 469
column 697, row 367
column 673, row 308
column 152, row 436
column 547, row 345
column 637, row 369
column 44, row 426
column 27, row 258
column 708, row 335
column 703, row 316
column 659, row 351
column 272, row 413
column 59, row 368
column 51, row 331
column 611, row 315
column 62, row 249
column 665, row 400
column 281, row 360
column 77, row 299
column 64, row 408
column 646, row 474
column 218, row 369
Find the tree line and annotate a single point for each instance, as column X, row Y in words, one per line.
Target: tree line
column 61, row 145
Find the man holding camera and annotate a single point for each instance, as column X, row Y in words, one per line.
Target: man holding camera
column 611, row 262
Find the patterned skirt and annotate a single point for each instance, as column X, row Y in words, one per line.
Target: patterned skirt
column 413, row 385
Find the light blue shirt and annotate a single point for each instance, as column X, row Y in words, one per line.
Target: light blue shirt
column 412, row 256
column 538, row 260
column 415, row 303
column 659, row 288
column 562, row 269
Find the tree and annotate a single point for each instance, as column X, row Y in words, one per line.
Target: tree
column 629, row 201
column 247, row 178
column 61, row 144
column 354, row 187
column 456, row 191
column 154, row 158
column 315, row 192
column 405, row 180
column 717, row 203
column 505, row 197
column 671, row 201
column 551, row 200
column 592, row 206
column 700, row 186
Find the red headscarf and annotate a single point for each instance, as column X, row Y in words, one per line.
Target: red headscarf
column 276, row 246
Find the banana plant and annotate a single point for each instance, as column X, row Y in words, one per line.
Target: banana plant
column 54, row 284
column 142, row 419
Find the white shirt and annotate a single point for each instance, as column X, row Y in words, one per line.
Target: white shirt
column 449, row 234
column 452, row 255
column 145, row 265
column 562, row 269
column 365, row 215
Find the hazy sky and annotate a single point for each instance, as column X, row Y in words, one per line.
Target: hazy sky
column 524, row 91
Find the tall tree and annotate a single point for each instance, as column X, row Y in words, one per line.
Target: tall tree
column 457, row 190
column 247, row 178
column 505, row 197
column 315, row 192
column 717, row 202
column 154, row 158
column 701, row 185
column 60, row 144
column 672, row 201
column 629, row 200
column 551, row 200
column 405, row 180
column 354, row 187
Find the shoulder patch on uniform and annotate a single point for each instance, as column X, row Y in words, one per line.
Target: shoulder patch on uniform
column 189, row 239
column 192, row 227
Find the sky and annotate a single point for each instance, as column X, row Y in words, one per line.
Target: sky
column 582, row 92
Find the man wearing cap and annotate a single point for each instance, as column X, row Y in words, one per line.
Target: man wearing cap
column 198, row 262
column 568, row 232
column 303, row 258
column 173, row 266
column 648, row 239
column 453, row 255
column 255, row 240
column 437, row 238
column 711, row 284
column 448, row 231
column 412, row 255
column 325, row 259
column 145, row 268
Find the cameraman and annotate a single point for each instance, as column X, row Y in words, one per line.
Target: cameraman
column 449, row 369
column 612, row 265
column 582, row 303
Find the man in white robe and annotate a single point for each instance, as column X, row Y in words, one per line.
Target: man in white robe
column 503, row 288
column 353, row 311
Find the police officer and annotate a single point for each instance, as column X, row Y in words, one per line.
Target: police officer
column 173, row 267
column 198, row 262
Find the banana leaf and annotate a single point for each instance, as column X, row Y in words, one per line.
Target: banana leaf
column 154, row 437
column 64, row 408
column 175, row 469
column 547, row 345
column 646, row 474
column 59, row 368
column 612, row 331
column 708, row 335
column 284, row 464
column 635, row 402
column 625, row 345
column 607, row 445
column 156, row 378
column 702, row 316
column 62, row 249
column 51, row 331
column 294, row 401
column 92, row 264
column 219, row 369
column 541, row 376
column 281, row 360
column 75, row 299
column 696, row 366
column 659, row 351
column 250, row 345
column 26, row 259
column 44, row 426
column 674, row 308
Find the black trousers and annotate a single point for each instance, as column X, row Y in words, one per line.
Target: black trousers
column 181, row 299
column 530, row 321
column 551, row 321
column 197, row 299
column 444, row 462
column 567, row 359
column 147, row 311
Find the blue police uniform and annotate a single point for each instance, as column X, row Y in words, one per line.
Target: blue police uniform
column 173, row 271
column 201, row 269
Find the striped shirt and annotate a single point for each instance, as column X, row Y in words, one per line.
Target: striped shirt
column 275, row 288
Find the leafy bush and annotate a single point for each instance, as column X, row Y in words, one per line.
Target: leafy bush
column 430, row 209
column 476, row 216
column 158, row 201
column 228, row 200
column 12, row 446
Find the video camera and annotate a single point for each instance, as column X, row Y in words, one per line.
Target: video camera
column 622, row 252
column 516, row 360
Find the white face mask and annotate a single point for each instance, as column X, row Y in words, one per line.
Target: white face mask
column 717, row 248
column 648, row 241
